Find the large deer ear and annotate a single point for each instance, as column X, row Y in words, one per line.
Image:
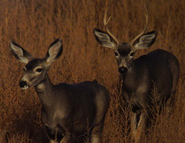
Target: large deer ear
column 104, row 39
column 54, row 51
column 21, row 54
column 145, row 41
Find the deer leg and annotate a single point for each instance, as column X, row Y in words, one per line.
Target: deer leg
column 133, row 123
column 68, row 138
column 52, row 141
column 142, row 119
column 170, row 103
column 95, row 136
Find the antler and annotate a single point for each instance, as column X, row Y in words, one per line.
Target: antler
column 146, row 16
column 105, row 22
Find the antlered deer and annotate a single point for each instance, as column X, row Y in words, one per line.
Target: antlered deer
column 158, row 70
column 68, row 110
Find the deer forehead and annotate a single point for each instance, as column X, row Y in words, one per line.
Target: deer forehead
column 34, row 64
column 124, row 49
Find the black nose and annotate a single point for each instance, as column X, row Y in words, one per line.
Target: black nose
column 22, row 84
column 122, row 70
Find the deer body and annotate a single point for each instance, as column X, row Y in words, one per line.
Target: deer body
column 77, row 106
column 156, row 71
column 68, row 110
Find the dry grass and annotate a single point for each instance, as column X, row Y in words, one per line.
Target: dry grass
column 34, row 24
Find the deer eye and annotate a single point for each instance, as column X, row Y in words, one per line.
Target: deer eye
column 132, row 54
column 24, row 69
column 39, row 70
column 116, row 53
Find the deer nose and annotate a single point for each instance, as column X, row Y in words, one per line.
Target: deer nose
column 122, row 69
column 23, row 84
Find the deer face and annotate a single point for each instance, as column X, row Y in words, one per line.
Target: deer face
column 124, row 56
column 35, row 73
column 36, row 69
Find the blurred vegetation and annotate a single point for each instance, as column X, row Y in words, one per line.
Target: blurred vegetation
column 34, row 24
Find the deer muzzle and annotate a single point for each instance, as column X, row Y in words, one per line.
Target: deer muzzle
column 122, row 69
column 23, row 84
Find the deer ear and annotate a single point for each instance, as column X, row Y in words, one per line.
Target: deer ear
column 22, row 55
column 145, row 41
column 104, row 39
column 54, row 51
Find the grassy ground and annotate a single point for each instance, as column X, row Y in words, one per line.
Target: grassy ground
column 34, row 24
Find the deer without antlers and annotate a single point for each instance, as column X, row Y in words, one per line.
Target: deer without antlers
column 68, row 110
column 159, row 69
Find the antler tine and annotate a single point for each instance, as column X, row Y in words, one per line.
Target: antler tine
column 146, row 16
column 105, row 22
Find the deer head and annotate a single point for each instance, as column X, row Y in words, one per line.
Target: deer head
column 36, row 69
column 124, row 51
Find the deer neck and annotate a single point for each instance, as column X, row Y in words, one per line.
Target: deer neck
column 131, row 72
column 45, row 91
